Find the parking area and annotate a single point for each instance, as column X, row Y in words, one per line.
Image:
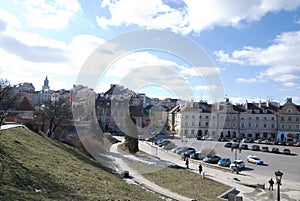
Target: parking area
column 272, row 161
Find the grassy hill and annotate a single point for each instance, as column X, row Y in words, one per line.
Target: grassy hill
column 35, row 167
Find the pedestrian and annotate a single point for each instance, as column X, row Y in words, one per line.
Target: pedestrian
column 200, row 168
column 271, row 183
column 187, row 163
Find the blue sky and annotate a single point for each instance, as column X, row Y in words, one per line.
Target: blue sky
column 254, row 45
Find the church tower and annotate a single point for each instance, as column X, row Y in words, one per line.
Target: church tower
column 46, row 84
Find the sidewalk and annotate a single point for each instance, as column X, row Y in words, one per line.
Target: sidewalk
column 290, row 191
column 138, row 178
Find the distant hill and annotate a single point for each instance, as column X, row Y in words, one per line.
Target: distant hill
column 35, row 167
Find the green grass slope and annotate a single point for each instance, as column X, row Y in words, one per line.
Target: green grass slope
column 30, row 162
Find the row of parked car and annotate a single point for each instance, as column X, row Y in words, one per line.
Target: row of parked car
column 190, row 152
column 256, row 147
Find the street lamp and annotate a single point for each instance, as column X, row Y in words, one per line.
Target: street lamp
column 278, row 175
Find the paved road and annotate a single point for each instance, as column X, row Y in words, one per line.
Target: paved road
column 290, row 191
column 288, row 164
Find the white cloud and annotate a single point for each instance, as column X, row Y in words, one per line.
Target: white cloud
column 53, row 14
column 29, row 57
column 200, row 71
column 281, row 58
column 206, row 88
column 247, row 81
column 189, row 15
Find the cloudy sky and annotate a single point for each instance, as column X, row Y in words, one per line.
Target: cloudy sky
column 253, row 45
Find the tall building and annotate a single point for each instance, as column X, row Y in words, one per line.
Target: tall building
column 45, row 94
column 46, row 84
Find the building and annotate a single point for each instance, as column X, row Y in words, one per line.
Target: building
column 289, row 122
column 262, row 120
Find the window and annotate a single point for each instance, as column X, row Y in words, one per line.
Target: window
column 206, row 124
column 265, row 111
column 273, row 118
column 242, row 125
column 199, row 123
column 192, row 132
column 290, row 127
column 249, row 117
column 186, row 116
column 186, row 123
column 289, row 111
column 249, row 125
column 186, row 132
column 193, row 124
column 297, row 127
column 265, row 126
column 233, row 125
column 289, row 118
column 281, row 118
column 265, row 118
column 200, row 117
column 257, row 125
column 273, row 126
column 256, row 118
column 193, row 116
column 281, row 126
column 297, row 118
column 206, row 117
column 227, row 125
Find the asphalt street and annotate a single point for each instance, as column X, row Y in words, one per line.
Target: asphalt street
column 288, row 164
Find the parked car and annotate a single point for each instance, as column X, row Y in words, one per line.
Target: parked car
column 163, row 143
column 286, row 151
column 275, row 150
column 258, row 141
column 255, row 159
column 297, row 144
column 266, row 142
column 213, row 159
column 255, row 148
column 188, row 153
column 235, row 146
column 225, row 162
column 228, row 144
column 244, row 146
column 237, row 163
column 265, row 149
column 196, row 155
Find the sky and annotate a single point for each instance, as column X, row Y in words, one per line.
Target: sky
column 197, row 50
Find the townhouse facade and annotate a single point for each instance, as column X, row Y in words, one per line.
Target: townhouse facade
column 262, row 120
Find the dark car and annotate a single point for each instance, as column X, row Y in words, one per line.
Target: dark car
column 255, row 148
column 275, row 150
column 188, row 153
column 244, row 146
column 212, row 159
column 286, row 151
column 265, row 149
column 235, row 146
column 228, row 144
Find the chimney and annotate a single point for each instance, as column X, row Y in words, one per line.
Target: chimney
column 246, row 105
column 259, row 104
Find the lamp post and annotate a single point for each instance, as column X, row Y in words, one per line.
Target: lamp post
column 278, row 175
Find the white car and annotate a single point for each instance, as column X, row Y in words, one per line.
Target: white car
column 237, row 163
column 255, row 159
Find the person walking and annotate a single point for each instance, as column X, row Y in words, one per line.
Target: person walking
column 200, row 168
column 187, row 163
column 271, row 183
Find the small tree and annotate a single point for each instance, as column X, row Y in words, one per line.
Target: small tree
column 8, row 99
column 56, row 112
column 131, row 136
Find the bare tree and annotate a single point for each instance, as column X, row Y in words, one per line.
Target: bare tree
column 8, row 99
column 56, row 112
